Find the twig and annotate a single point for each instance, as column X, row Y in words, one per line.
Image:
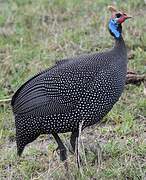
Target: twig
column 78, row 148
column 134, row 78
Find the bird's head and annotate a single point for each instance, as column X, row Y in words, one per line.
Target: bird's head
column 115, row 22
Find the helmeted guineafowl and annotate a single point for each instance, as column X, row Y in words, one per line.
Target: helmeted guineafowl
column 81, row 89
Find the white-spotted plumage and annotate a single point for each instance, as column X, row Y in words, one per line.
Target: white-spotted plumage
column 56, row 100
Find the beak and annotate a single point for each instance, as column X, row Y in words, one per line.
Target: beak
column 128, row 16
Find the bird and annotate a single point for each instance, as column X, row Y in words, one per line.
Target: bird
column 78, row 90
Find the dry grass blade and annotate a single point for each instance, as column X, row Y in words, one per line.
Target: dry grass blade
column 78, row 148
column 144, row 91
column 5, row 100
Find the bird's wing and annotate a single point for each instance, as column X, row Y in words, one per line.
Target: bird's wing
column 55, row 90
column 49, row 93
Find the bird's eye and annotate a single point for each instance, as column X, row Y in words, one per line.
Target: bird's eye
column 118, row 15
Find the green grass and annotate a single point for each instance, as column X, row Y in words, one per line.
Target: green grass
column 34, row 34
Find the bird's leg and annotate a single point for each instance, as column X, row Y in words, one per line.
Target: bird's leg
column 73, row 139
column 61, row 147
column 77, row 153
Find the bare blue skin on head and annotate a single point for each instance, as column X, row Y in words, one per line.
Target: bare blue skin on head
column 115, row 28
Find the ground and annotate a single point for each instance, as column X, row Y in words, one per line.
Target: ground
column 34, row 34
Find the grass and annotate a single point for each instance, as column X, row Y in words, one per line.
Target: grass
column 36, row 34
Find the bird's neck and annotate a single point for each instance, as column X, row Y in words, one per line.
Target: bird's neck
column 120, row 46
